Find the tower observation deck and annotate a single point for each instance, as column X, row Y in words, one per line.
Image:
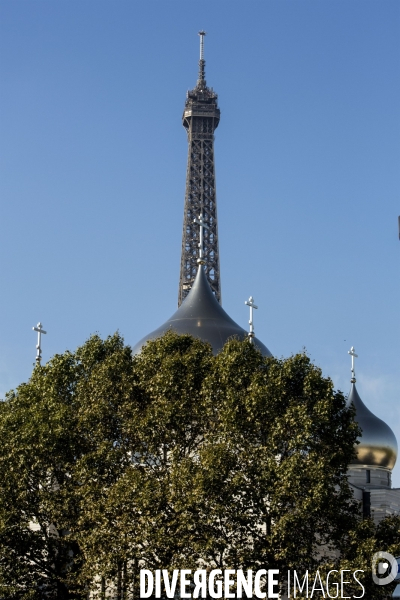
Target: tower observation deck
column 200, row 119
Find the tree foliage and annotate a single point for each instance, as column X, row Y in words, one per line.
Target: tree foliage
column 173, row 458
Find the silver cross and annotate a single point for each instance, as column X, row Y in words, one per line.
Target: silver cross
column 353, row 356
column 250, row 302
column 203, row 226
column 39, row 329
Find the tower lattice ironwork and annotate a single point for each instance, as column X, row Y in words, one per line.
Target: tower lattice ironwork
column 200, row 119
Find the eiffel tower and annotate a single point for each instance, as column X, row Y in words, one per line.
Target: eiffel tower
column 200, row 119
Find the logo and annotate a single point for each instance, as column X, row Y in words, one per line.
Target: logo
column 384, row 568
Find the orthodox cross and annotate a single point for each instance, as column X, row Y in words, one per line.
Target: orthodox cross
column 353, row 356
column 203, row 226
column 250, row 302
column 39, row 329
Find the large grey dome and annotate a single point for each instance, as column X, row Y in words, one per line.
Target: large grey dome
column 378, row 444
column 202, row 316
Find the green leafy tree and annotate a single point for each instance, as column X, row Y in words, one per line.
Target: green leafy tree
column 173, row 458
column 48, row 432
column 364, row 540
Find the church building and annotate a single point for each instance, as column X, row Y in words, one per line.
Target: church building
column 201, row 315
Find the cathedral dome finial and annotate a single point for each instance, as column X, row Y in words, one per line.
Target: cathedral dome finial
column 377, row 445
column 353, row 356
column 202, row 225
column 250, row 303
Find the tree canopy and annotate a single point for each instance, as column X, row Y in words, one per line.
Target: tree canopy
column 174, row 458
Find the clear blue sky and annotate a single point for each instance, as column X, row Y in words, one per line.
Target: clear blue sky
column 93, row 160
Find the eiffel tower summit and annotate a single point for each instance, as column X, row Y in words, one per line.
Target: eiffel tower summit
column 200, row 119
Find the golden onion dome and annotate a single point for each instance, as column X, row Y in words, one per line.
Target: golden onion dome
column 377, row 445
